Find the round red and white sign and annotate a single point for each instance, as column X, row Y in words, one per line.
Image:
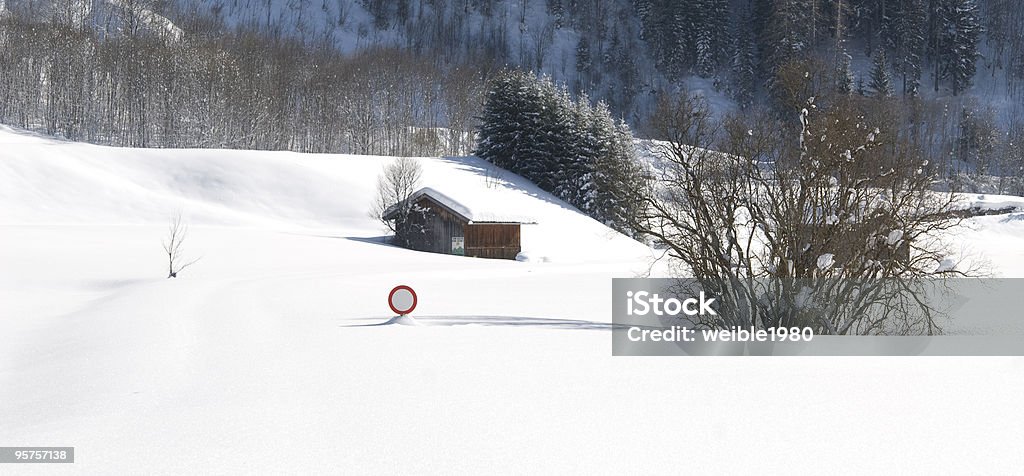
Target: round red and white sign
column 402, row 300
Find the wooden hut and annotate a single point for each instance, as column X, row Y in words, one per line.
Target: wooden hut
column 448, row 227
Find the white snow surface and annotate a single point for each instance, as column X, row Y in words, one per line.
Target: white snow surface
column 993, row 202
column 274, row 353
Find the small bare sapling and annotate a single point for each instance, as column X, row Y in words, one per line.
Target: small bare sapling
column 174, row 243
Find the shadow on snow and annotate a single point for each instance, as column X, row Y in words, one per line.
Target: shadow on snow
column 494, row 321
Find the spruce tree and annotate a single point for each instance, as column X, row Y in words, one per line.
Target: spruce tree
column 659, row 20
column 569, row 148
column 958, row 42
column 617, row 175
column 719, row 18
column 556, row 10
column 568, row 163
column 910, row 33
column 705, row 53
column 711, row 35
column 643, row 10
column 576, row 176
column 584, row 62
column 682, row 33
column 787, row 34
column 500, row 122
column 541, row 138
column 881, row 84
column 744, row 68
column 517, row 127
column 844, row 78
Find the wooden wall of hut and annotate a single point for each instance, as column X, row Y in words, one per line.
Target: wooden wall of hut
column 493, row 240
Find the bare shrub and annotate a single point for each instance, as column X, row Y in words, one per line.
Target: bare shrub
column 832, row 225
column 174, row 246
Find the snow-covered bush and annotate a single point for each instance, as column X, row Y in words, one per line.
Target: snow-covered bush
column 828, row 222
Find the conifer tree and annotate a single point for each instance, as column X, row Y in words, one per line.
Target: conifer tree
column 502, row 121
column 570, row 148
column 881, row 84
column 958, row 42
column 787, row 35
column 744, row 61
column 617, row 175
column 844, row 74
column 584, row 62
column 910, row 32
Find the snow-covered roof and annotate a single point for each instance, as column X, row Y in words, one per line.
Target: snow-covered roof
column 445, row 200
column 489, row 209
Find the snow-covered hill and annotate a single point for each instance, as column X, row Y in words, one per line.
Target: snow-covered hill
column 266, row 356
column 49, row 181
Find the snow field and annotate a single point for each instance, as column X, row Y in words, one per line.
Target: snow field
column 267, row 357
